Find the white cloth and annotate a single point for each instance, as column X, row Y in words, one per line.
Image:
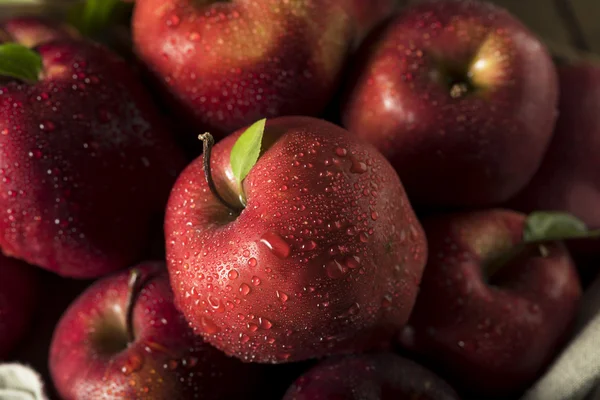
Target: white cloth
column 575, row 374
column 20, row 382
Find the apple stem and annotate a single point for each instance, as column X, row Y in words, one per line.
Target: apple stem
column 567, row 13
column 132, row 292
column 207, row 143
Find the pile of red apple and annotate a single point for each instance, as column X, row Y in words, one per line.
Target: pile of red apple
column 390, row 203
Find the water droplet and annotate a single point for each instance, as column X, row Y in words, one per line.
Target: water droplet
column 190, row 362
column 334, row 269
column 252, row 262
column 308, row 246
column 47, row 126
column 214, row 302
column 173, row 21
column 208, row 326
column 282, row 296
column 352, row 262
column 374, row 215
column 133, row 364
column 276, row 244
column 358, row 167
column 244, row 338
column 341, row 152
column 244, row 289
column 364, row 237
column 265, row 323
column 252, row 327
column 386, row 301
column 283, row 356
column 255, row 280
column 172, row 364
column 233, row 274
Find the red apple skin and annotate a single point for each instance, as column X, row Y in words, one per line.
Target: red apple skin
column 348, row 251
column 382, row 376
column 87, row 164
column 30, row 31
column 18, row 294
column 368, row 14
column 491, row 338
column 165, row 361
column 569, row 178
column 227, row 64
column 453, row 149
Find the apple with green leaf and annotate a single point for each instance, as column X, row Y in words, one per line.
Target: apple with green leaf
column 498, row 297
column 460, row 97
column 123, row 338
column 292, row 240
column 228, row 63
column 86, row 164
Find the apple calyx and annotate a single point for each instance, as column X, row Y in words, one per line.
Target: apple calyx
column 133, row 289
column 207, row 144
column 20, row 62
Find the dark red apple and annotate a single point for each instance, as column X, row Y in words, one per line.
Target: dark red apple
column 382, row 376
column 123, row 338
column 569, row 178
column 86, row 162
column 460, row 97
column 492, row 311
column 324, row 256
column 18, row 294
column 229, row 63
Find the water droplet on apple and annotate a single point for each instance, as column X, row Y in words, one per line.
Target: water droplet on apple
column 334, row 269
column 252, row 327
column 233, row 274
column 308, row 246
column 374, row 215
column 274, row 242
column 244, row 338
column 282, row 296
column 265, row 323
column 358, row 167
column 190, row 362
column 352, row 262
column 208, row 326
column 252, row 262
column 255, row 280
column 172, row 364
column 47, row 126
column 341, row 152
column 364, row 237
column 283, row 356
column 244, row 289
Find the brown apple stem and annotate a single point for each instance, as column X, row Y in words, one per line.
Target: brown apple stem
column 569, row 18
column 207, row 143
column 133, row 287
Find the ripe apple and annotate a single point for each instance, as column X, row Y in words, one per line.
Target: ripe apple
column 18, row 294
column 124, row 338
column 569, row 177
column 86, row 163
column 492, row 310
column 323, row 255
column 227, row 63
column 460, row 97
column 383, row 376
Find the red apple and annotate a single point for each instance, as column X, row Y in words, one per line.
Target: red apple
column 86, row 163
column 383, row 376
column 124, row 338
column 569, row 177
column 18, row 294
column 460, row 97
column 492, row 311
column 228, row 63
column 324, row 257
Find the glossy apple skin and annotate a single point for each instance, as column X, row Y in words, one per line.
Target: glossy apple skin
column 348, row 251
column 491, row 338
column 166, row 360
column 569, row 177
column 87, row 163
column 449, row 150
column 227, row 64
column 18, row 295
column 383, row 376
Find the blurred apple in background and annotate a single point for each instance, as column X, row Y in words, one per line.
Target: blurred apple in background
column 87, row 164
column 229, row 63
column 460, row 96
column 495, row 305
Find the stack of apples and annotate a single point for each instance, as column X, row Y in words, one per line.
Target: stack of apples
column 293, row 199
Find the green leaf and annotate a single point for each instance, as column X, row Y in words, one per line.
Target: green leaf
column 547, row 225
column 246, row 150
column 93, row 16
column 20, row 62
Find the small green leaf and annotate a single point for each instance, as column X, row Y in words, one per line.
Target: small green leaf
column 546, row 225
column 246, row 150
column 93, row 16
column 20, row 62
